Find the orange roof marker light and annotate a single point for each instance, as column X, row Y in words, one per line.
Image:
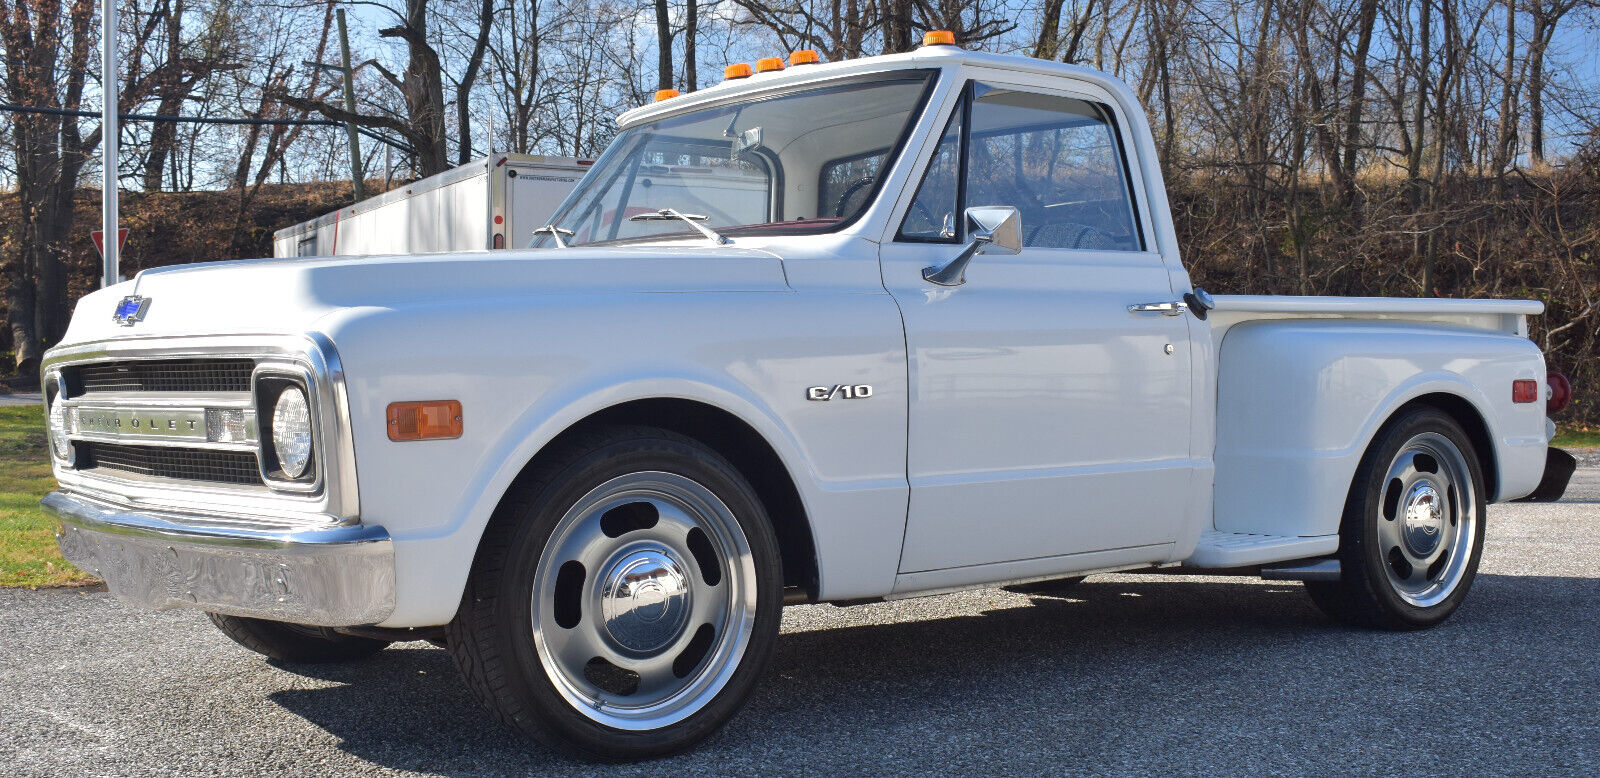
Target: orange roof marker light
column 766, row 64
column 939, row 38
column 666, row 94
column 804, row 57
column 739, row 70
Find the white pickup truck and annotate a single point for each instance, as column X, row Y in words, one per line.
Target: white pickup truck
column 945, row 343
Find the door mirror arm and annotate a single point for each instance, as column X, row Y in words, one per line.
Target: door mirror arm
column 1200, row 302
column 992, row 229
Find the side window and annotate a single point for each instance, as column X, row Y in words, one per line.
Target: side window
column 934, row 213
column 1057, row 160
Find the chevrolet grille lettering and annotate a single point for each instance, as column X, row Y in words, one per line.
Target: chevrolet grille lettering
column 131, row 423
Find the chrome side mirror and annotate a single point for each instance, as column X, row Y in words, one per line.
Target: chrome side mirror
column 993, row 228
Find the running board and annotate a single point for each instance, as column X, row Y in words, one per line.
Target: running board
column 1243, row 549
column 1308, row 570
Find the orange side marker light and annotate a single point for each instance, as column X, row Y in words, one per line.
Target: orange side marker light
column 425, row 420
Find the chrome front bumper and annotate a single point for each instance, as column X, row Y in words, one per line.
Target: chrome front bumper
column 334, row 576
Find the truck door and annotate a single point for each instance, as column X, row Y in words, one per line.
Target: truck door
column 1046, row 419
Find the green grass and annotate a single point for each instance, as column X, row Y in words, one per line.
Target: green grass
column 1567, row 437
column 28, row 555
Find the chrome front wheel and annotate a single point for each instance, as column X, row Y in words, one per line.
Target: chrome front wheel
column 644, row 601
column 625, row 598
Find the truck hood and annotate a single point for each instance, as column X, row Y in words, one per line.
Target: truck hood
column 282, row 296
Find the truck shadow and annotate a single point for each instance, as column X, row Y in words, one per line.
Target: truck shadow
column 1094, row 673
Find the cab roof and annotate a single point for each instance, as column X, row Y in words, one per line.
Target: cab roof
column 943, row 57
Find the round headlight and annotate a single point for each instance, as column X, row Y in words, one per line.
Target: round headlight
column 58, row 427
column 291, row 432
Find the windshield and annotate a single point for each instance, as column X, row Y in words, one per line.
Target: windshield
column 805, row 161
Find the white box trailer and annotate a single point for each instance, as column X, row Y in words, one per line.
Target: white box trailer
column 491, row 203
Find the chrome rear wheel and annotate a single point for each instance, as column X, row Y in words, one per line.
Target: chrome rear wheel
column 1412, row 530
column 1427, row 519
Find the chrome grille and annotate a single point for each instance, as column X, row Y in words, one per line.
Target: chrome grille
column 191, row 464
column 201, row 380
column 162, row 375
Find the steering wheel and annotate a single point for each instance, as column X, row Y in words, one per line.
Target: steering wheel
column 850, row 191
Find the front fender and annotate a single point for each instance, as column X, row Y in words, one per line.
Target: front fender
column 1299, row 402
column 527, row 371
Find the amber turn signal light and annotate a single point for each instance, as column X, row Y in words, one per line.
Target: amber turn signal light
column 804, row 57
column 425, row 420
column 737, row 70
column 766, row 64
column 666, row 94
column 939, row 38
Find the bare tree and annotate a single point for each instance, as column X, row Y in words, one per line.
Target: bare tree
column 1506, row 139
column 515, row 53
column 47, row 49
column 1547, row 15
column 663, row 45
column 187, row 64
column 1356, row 104
column 480, row 46
column 421, row 87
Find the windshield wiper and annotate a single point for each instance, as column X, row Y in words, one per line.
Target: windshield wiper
column 555, row 232
column 693, row 220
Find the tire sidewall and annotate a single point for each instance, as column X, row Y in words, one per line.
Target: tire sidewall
column 1370, row 558
column 533, row 532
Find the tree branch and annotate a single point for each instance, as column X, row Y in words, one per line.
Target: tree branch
column 340, row 115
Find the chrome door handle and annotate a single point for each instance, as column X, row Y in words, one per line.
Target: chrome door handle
column 1171, row 308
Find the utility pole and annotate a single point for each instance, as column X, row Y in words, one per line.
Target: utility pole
column 350, row 105
column 349, row 74
column 108, row 139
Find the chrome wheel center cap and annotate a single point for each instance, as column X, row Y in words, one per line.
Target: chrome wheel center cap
column 644, row 600
column 1424, row 518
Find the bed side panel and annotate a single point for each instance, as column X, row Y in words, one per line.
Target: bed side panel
column 1298, row 401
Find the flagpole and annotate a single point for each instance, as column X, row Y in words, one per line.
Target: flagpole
column 108, row 140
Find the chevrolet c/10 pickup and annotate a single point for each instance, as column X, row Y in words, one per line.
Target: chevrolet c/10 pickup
column 827, row 333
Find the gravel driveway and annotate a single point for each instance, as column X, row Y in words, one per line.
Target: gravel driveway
column 20, row 398
column 1131, row 675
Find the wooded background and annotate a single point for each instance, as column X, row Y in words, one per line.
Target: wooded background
column 1371, row 147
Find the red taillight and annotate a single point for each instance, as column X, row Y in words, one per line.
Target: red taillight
column 1524, row 390
column 1560, row 393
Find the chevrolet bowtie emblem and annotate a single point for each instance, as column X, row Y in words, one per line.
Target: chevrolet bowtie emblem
column 131, row 310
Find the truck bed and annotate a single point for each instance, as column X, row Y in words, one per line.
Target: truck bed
column 1304, row 383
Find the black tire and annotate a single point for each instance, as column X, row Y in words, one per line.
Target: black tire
column 495, row 649
column 1384, row 582
column 294, row 642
